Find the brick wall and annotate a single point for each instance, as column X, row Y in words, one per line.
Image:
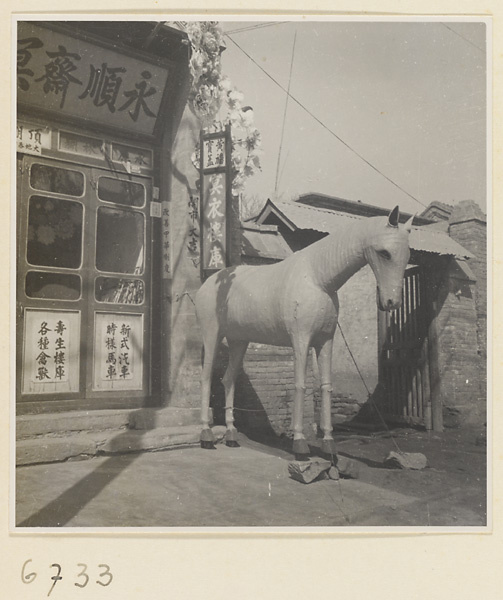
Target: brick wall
column 468, row 226
column 459, row 385
column 472, row 236
column 264, row 392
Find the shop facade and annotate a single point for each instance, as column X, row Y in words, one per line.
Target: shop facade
column 101, row 216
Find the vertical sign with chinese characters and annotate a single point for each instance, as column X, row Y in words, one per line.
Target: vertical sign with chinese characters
column 215, row 195
column 117, row 348
column 166, row 246
column 118, row 352
column 193, row 242
column 51, row 348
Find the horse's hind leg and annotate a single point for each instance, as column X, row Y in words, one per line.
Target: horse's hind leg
column 324, row 355
column 237, row 351
column 300, row 446
column 211, row 342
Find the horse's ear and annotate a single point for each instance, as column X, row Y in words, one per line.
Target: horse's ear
column 408, row 225
column 393, row 217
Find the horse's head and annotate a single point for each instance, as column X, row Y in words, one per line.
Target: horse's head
column 387, row 252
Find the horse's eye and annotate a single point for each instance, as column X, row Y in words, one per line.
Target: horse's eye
column 385, row 254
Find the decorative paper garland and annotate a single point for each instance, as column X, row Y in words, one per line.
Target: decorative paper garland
column 211, row 92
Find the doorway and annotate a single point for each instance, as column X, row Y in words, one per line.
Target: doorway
column 84, row 284
column 404, row 371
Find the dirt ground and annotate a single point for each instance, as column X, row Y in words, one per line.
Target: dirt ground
column 250, row 486
column 451, row 491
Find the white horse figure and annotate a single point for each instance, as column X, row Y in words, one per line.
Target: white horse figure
column 294, row 303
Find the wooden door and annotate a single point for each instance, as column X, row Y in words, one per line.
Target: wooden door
column 403, row 357
column 83, row 285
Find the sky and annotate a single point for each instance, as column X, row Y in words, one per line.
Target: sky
column 408, row 97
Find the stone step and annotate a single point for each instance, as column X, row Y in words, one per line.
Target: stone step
column 59, row 424
column 171, row 416
column 82, row 445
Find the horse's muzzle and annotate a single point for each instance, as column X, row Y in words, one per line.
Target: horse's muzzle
column 388, row 304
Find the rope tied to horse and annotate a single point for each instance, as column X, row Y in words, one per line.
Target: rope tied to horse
column 369, row 393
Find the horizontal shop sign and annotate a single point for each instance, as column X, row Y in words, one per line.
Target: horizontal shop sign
column 73, row 77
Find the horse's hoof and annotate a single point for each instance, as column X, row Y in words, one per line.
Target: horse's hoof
column 207, row 439
column 207, row 445
column 231, row 438
column 301, row 449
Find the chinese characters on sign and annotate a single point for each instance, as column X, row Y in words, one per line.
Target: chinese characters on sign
column 214, row 152
column 138, row 158
column 60, row 73
column 214, row 179
column 23, row 58
column 51, row 352
column 214, row 216
column 118, row 356
column 30, row 139
column 117, row 350
column 166, row 250
column 193, row 248
column 103, row 86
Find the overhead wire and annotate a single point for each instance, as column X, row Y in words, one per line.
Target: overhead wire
column 258, row 26
column 463, row 37
column 367, row 162
column 284, row 115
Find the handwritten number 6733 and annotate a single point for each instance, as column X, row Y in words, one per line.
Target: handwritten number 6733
column 105, row 577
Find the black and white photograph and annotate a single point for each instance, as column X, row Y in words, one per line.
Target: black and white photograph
column 251, row 281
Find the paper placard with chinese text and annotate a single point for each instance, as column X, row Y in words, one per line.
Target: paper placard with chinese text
column 73, row 77
column 118, row 355
column 51, row 352
column 30, row 139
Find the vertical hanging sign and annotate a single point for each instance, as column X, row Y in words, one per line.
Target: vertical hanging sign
column 166, row 247
column 215, row 190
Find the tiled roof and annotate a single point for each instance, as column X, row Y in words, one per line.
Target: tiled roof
column 264, row 242
column 300, row 216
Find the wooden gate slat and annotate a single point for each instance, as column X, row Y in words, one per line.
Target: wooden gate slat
column 413, row 384
column 405, row 368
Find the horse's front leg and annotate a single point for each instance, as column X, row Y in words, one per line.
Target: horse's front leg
column 324, row 356
column 300, row 446
column 211, row 343
column 237, row 351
